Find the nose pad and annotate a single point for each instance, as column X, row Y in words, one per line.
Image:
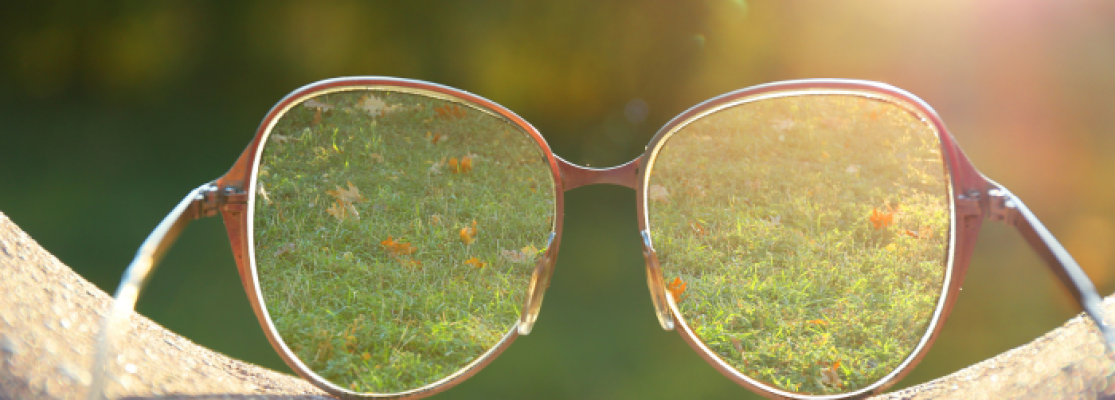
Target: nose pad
column 538, row 284
column 656, row 285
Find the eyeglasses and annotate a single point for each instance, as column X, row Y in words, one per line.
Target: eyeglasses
column 807, row 238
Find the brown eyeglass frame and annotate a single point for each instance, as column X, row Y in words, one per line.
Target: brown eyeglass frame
column 973, row 198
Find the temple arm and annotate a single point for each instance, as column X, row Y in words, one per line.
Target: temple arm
column 148, row 256
column 1005, row 206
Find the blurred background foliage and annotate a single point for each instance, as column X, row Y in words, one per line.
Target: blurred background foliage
column 110, row 112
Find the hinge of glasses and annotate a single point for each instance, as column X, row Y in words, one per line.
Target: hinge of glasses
column 212, row 199
column 968, row 208
column 1001, row 206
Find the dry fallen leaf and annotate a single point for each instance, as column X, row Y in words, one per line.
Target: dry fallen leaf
column 475, row 262
column 695, row 190
column 341, row 210
column 924, row 233
column 374, row 106
column 436, row 138
column 784, row 124
column 409, row 262
column 830, row 377
column 737, row 345
column 283, row 249
column 466, row 164
column 468, row 234
column 314, row 104
column 435, row 168
column 881, row 219
column 522, row 256
column 280, row 139
column 677, row 289
column 697, row 228
column 450, row 111
column 350, row 195
column 875, row 114
column 658, row 193
column 263, row 192
column 337, row 211
column 397, row 248
column 463, row 166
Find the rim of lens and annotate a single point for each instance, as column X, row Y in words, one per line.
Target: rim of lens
column 777, row 90
column 397, row 85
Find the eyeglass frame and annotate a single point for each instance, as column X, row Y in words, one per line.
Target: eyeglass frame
column 972, row 198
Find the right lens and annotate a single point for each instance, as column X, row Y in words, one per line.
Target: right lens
column 803, row 237
column 395, row 233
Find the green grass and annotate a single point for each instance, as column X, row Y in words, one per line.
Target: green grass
column 768, row 222
column 356, row 314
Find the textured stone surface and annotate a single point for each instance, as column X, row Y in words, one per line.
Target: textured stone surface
column 49, row 317
column 1069, row 362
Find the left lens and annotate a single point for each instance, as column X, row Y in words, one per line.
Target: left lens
column 395, row 232
column 803, row 238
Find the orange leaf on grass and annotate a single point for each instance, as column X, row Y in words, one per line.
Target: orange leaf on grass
column 677, row 289
column 468, row 234
column 476, row 262
column 435, row 138
column 450, row 111
column 698, row 229
column 881, row 219
column 389, row 242
column 397, row 248
column 817, row 322
column 463, row 166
